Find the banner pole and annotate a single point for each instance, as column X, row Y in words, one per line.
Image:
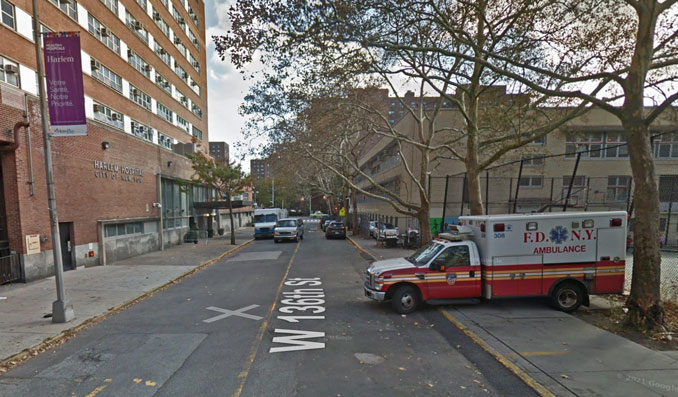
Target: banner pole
column 62, row 310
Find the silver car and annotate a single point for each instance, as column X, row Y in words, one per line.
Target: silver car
column 288, row 229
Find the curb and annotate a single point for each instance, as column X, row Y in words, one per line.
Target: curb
column 536, row 386
column 360, row 248
column 10, row 362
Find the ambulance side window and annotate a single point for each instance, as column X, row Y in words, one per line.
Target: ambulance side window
column 456, row 256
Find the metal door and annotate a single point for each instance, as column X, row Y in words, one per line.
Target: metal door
column 67, row 248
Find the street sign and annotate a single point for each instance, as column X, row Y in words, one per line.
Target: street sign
column 342, row 212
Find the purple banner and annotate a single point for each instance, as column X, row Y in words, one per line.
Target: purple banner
column 66, row 97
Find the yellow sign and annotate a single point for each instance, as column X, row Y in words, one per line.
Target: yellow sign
column 342, row 211
column 32, row 244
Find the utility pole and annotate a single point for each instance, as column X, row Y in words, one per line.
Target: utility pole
column 273, row 192
column 62, row 310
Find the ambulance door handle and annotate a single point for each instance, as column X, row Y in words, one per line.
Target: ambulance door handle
column 513, row 276
column 420, row 276
column 472, row 273
column 522, row 276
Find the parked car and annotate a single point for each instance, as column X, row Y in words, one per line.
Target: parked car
column 388, row 234
column 335, row 230
column 374, row 229
column 327, row 221
column 288, row 229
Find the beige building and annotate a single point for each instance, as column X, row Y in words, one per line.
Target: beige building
column 602, row 181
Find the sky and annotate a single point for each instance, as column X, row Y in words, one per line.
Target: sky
column 225, row 85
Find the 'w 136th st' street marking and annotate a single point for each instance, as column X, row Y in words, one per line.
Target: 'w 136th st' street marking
column 229, row 313
column 301, row 304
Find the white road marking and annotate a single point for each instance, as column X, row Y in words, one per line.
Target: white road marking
column 229, row 313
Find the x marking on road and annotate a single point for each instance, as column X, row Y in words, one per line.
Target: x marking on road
column 228, row 313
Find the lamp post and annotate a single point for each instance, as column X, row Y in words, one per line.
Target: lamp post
column 62, row 309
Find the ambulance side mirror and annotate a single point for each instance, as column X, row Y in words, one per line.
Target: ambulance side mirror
column 438, row 264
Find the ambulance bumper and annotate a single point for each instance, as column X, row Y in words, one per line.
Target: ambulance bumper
column 376, row 295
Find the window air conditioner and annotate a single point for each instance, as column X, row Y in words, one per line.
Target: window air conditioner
column 11, row 69
column 94, row 65
column 98, row 108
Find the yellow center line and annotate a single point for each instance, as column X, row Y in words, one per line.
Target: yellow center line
column 96, row 391
column 253, row 354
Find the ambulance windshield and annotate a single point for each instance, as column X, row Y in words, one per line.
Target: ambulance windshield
column 425, row 254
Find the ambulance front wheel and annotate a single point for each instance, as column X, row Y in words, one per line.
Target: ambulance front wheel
column 405, row 300
column 568, row 296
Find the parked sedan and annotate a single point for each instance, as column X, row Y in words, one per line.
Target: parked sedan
column 288, row 229
column 327, row 222
column 335, row 229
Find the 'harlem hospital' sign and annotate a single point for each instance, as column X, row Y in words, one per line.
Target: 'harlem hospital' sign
column 114, row 172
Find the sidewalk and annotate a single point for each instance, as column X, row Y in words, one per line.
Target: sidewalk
column 95, row 290
column 564, row 354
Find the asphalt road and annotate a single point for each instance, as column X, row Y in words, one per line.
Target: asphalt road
column 272, row 320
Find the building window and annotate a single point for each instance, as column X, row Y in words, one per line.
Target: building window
column 143, row 4
column 8, row 17
column 164, row 55
column 180, row 46
column 194, row 17
column 668, row 188
column 180, row 71
column 139, row 97
column 194, row 62
column 197, row 133
column 138, row 63
column 106, row 75
column 9, row 72
column 666, row 146
column 109, row 116
column 194, row 39
column 618, row 188
column 124, row 229
column 142, row 130
column 111, row 5
column 163, row 83
column 196, row 110
column 164, row 27
column 103, row 34
column 532, row 159
column 165, row 113
column 164, row 140
column 596, row 145
column 177, row 17
column 70, row 7
column 539, row 141
column 183, row 99
column 531, row 181
column 183, row 124
column 136, row 27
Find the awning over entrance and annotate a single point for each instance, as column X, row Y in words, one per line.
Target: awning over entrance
column 211, row 205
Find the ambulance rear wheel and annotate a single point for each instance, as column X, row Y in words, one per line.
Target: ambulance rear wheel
column 405, row 300
column 568, row 297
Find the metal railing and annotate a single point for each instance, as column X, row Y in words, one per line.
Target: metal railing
column 10, row 269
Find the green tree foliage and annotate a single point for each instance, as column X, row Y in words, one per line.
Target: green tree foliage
column 227, row 180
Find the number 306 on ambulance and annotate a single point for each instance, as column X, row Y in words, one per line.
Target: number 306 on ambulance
column 565, row 256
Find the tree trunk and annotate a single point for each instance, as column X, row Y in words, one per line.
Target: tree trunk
column 424, row 225
column 230, row 215
column 644, row 302
column 354, row 204
column 475, row 195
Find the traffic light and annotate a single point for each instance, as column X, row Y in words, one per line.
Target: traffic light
column 303, row 199
column 324, row 197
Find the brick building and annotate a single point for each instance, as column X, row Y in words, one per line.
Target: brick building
column 260, row 169
column 144, row 75
column 219, row 152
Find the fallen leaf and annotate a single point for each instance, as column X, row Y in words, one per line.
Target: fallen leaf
column 564, row 376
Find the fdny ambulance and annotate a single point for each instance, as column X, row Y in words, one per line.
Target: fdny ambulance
column 565, row 256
